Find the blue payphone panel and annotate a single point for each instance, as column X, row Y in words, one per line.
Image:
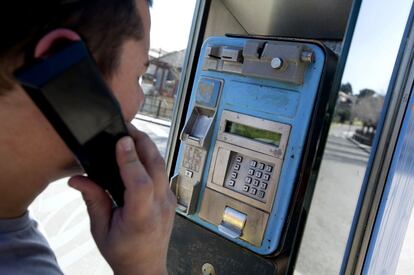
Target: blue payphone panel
column 246, row 127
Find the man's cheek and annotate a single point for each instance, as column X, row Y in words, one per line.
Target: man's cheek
column 131, row 107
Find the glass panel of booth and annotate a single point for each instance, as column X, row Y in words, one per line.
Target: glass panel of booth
column 368, row 70
column 170, row 26
column 59, row 209
column 406, row 259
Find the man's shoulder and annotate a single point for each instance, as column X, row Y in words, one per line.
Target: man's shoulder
column 23, row 248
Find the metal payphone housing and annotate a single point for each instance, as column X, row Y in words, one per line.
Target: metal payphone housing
column 195, row 245
column 252, row 102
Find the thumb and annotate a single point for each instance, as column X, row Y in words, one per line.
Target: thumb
column 98, row 204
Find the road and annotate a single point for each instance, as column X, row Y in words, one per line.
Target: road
column 333, row 205
column 62, row 214
column 336, row 192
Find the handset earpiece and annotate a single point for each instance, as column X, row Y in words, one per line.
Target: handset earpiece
column 68, row 88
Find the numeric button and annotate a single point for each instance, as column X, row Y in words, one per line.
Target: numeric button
column 258, row 174
column 266, row 176
column 268, row 168
column 256, row 182
column 263, row 185
column 261, row 166
column 250, row 172
column 248, row 180
column 253, row 163
column 261, row 194
column 246, row 188
column 189, row 174
column 253, row 191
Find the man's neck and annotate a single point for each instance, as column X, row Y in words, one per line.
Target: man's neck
column 31, row 153
column 24, row 176
column 17, row 190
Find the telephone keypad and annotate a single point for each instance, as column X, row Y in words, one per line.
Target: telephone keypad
column 249, row 176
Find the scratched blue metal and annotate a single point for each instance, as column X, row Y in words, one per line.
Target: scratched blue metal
column 270, row 100
column 396, row 204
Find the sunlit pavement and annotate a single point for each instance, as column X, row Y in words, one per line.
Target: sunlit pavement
column 62, row 214
column 340, row 177
column 336, row 192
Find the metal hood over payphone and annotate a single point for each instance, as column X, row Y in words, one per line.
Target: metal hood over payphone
column 311, row 19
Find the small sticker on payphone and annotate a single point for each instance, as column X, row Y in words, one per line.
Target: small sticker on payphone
column 244, row 135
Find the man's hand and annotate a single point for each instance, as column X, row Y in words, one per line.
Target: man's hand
column 133, row 239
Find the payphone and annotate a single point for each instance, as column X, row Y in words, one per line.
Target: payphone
column 246, row 131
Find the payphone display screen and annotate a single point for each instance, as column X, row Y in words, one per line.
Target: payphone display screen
column 264, row 136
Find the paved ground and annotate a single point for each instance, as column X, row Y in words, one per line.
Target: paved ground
column 340, row 177
column 331, row 214
column 62, row 213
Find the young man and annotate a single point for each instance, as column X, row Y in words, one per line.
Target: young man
column 133, row 239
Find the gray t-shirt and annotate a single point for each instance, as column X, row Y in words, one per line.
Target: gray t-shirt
column 24, row 250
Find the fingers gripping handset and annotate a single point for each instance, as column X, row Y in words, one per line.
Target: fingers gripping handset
column 70, row 91
column 133, row 239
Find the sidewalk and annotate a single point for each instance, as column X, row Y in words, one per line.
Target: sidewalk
column 153, row 120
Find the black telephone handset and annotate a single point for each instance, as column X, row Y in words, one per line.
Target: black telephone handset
column 68, row 88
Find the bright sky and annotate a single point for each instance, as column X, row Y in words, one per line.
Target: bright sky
column 371, row 57
column 170, row 23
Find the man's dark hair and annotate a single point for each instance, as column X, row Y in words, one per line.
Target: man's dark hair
column 103, row 24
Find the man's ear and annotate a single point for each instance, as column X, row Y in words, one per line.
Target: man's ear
column 49, row 41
